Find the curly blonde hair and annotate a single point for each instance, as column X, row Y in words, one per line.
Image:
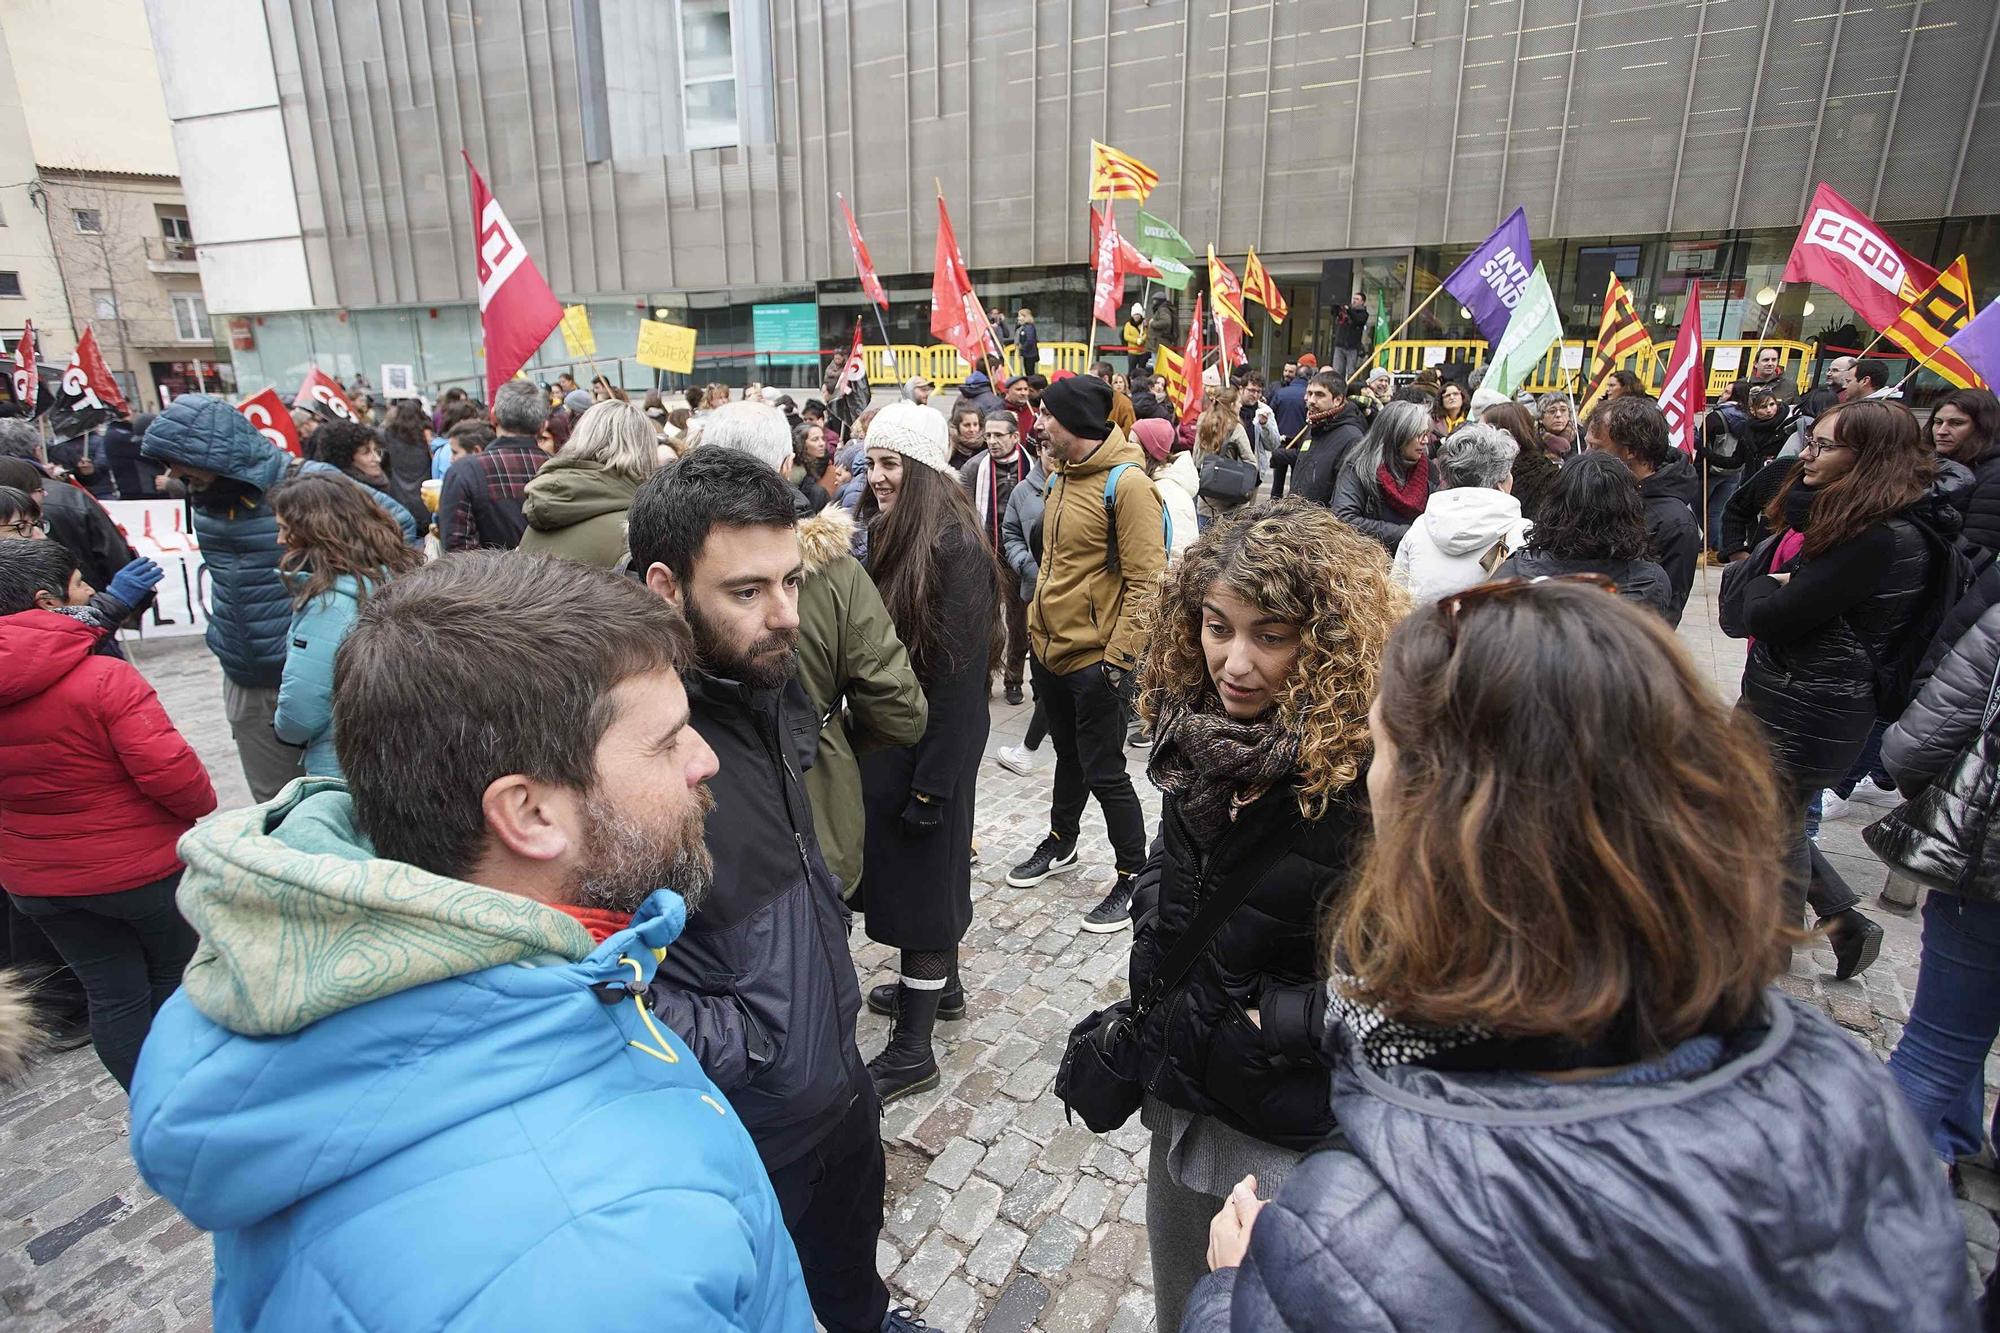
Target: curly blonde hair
column 1293, row 559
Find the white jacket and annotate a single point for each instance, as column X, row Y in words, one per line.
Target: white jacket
column 1441, row 553
column 1176, row 484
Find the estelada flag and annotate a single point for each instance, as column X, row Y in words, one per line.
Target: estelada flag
column 856, row 368
column 1620, row 333
column 1842, row 249
column 321, row 393
column 1225, row 293
column 871, row 286
column 1258, row 287
column 956, row 315
column 517, row 311
column 266, row 411
column 1191, row 355
column 1684, row 397
column 88, row 395
column 1116, row 175
column 27, row 385
column 1924, row 326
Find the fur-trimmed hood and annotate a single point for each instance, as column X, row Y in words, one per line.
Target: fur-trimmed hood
column 18, row 1034
column 824, row 537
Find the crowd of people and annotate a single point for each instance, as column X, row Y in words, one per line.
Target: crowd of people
column 579, row 731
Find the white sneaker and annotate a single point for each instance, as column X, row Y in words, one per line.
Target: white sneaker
column 1869, row 792
column 1832, row 806
column 1016, row 759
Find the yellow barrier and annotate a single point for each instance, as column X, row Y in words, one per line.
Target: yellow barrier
column 1648, row 363
column 909, row 360
column 942, row 364
column 1798, row 359
column 1408, row 357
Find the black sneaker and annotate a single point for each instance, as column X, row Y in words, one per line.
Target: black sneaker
column 1014, row 695
column 1139, row 738
column 902, row 1320
column 1051, row 858
column 1115, row 912
column 1856, row 942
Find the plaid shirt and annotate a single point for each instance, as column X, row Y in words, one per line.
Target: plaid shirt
column 488, row 485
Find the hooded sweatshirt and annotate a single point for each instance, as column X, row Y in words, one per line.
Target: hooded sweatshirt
column 404, row 1101
column 1460, row 533
column 576, row 509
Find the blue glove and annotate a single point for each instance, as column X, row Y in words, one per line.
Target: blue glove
column 131, row 584
column 922, row 816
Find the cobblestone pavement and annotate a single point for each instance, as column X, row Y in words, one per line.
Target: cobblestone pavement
column 1000, row 1215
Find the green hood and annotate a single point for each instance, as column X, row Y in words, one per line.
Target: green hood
column 299, row 918
column 569, row 491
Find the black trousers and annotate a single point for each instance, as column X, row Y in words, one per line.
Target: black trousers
column 1086, row 720
column 1279, row 468
column 128, row 949
column 831, row 1199
column 1812, row 879
column 25, row 947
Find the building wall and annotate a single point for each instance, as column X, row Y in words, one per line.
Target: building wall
column 25, row 248
column 89, row 84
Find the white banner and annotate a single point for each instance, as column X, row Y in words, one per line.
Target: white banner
column 158, row 530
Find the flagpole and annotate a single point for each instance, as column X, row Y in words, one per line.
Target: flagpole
column 1769, row 311
column 1376, row 355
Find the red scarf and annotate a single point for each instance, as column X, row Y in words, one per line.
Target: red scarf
column 601, row 922
column 1407, row 500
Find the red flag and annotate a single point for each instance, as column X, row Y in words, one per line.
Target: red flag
column 517, row 311
column 956, row 315
column 1228, row 339
column 1684, row 397
column 1191, row 365
column 871, row 286
column 1131, row 264
column 321, row 393
column 1842, row 249
column 87, row 395
column 90, row 360
column 27, row 385
column 856, row 369
column 273, row 420
column 1109, row 292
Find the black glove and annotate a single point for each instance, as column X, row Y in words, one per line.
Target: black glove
column 922, row 816
column 1114, row 676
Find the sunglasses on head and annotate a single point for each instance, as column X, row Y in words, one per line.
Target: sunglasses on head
column 1456, row 605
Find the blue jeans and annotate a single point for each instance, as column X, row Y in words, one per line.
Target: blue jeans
column 1869, row 765
column 1721, row 485
column 1940, row 1064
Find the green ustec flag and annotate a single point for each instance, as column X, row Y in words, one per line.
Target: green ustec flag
column 1158, row 238
column 1533, row 326
column 1173, row 273
column 1382, row 329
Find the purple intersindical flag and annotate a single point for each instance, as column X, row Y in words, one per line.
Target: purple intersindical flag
column 1978, row 343
column 1493, row 278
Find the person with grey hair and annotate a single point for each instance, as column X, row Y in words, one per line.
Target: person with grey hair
column 1467, row 529
column 1386, row 480
column 757, row 429
column 1556, row 415
column 75, row 518
column 577, row 503
column 918, row 389
column 480, row 504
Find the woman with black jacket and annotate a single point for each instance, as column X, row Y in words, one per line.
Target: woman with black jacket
column 941, row 584
column 1592, row 521
column 1965, row 429
column 1386, row 480
column 1262, row 656
column 1846, row 581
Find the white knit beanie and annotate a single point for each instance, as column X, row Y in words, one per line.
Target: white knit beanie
column 916, row 432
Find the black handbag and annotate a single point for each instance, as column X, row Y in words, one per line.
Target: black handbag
column 1939, row 837
column 1099, row 1079
column 1227, row 480
column 1735, row 579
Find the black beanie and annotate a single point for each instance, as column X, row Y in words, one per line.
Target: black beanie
column 1082, row 403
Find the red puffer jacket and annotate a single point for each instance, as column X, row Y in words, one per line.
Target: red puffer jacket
column 96, row 786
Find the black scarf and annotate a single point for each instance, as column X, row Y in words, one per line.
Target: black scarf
column 1208, row 759
column 1798, row 506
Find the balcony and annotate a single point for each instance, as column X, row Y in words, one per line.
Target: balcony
column 169, row 256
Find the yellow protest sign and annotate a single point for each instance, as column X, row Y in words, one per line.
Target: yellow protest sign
column 577, row 337
column 666, row 346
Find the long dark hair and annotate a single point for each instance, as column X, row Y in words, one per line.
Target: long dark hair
column 1893, row 467
column 1984, row 409
column 1593, row 512
column 407, row 423
column 334, row 527
column 908, row 547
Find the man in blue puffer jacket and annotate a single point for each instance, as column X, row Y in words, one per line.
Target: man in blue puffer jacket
column 410, row 1080
column 228, row 469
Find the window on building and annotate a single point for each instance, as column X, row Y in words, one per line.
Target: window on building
column 190, row 317
column 708, row 75
column 89, row 221
column 103, row 303
column 10, row 284
column 175, row 228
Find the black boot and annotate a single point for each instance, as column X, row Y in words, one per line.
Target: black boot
column 906, row 1064
column 951, row 1008
column 1856, row 942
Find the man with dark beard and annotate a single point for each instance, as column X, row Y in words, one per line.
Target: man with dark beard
column 765, row 959
column 420, row 995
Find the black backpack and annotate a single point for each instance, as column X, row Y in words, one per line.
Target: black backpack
column 1952, row 572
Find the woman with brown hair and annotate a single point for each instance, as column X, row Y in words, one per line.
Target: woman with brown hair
column 1219, row 432
column 339, row 547
column 1569, row 1096
column 941, row 584
column 1857, row 533
column 1263, row 646
column 1535, row 472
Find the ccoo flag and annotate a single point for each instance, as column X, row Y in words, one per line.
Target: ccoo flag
column 1116, row 175
column 1927, row 324
column 1842, row 249
column 1684, row 396
column 1258, row 287
column 1493, row 278
column 517, row 311
column 1524, row 342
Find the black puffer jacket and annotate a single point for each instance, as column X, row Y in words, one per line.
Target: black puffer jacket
column 1981, row 505
column 1948, row 711
column 760, row 985
column 1359, row 503
column 1810, row 678
column 1671, row 530
column 1199, row 1050
column 1639, row 581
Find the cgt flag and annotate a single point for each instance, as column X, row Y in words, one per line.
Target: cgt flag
column 1684, row 397
column 321, row 393
column 27, row 384
column 956, row 315
column 267, row 412
column 517, row 311
column 1493, row 278
column 871, row 286
column 1842, row 249
column 1116, row 175
column 855, row 371
column 88, row 395
column 1620, row 333
column 1925, row 325
column 1258, row 287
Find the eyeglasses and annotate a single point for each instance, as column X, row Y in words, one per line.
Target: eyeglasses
column 22, row 527
column 1454, row 606
column 1816, row 446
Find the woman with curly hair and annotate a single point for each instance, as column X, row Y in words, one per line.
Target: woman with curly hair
column 1592, row 521
column 339, row 547
column 1264, row 645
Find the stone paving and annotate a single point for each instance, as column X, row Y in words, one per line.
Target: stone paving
column 1001, row 1215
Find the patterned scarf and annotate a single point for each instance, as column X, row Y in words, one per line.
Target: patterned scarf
column 1208, row 759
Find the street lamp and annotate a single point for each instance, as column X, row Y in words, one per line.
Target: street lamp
column 1766, row 295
